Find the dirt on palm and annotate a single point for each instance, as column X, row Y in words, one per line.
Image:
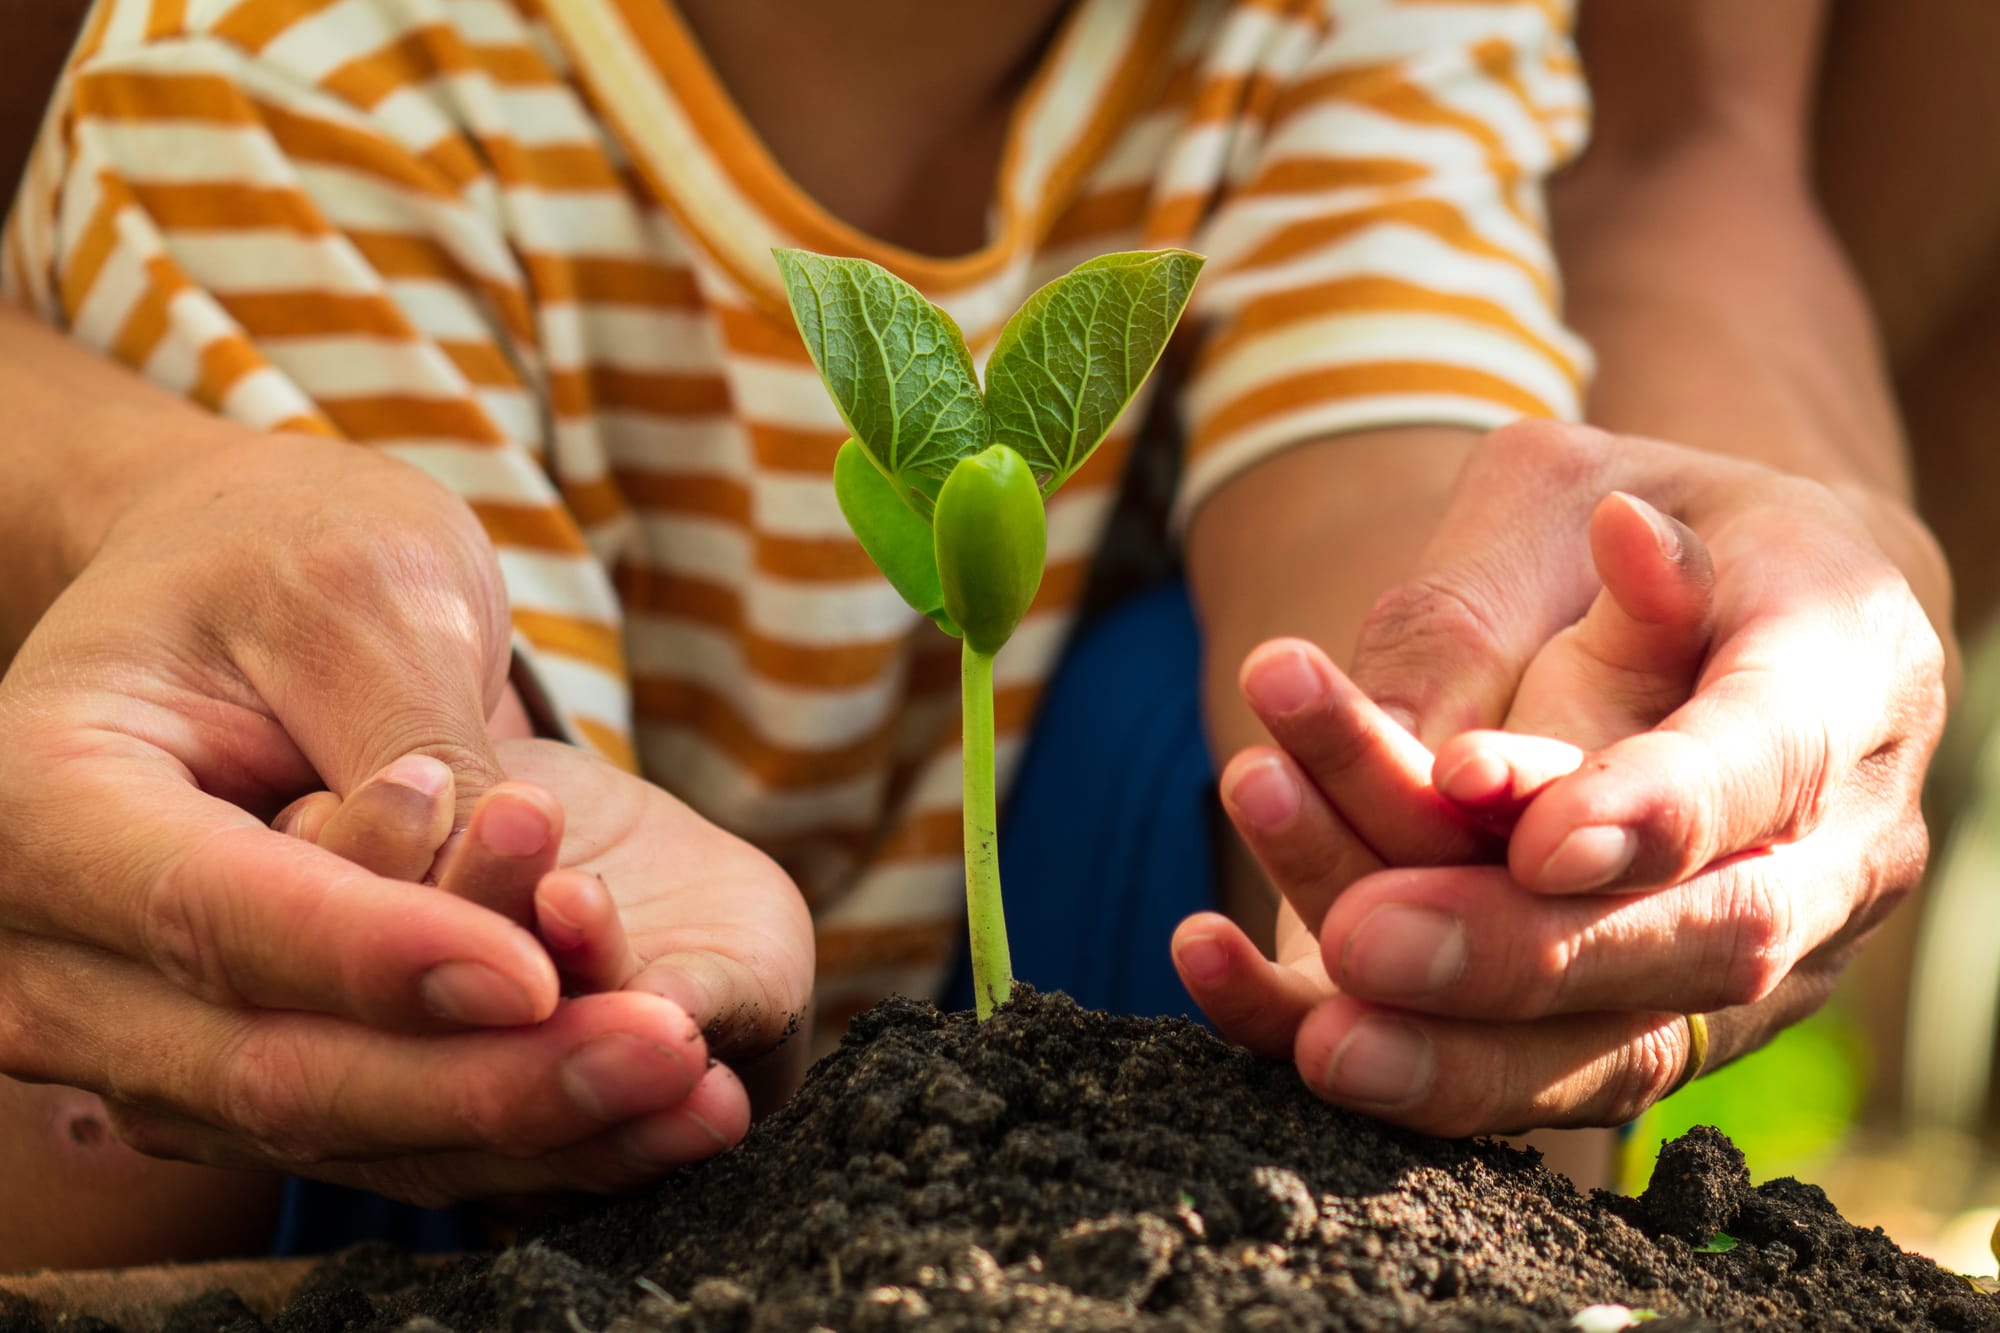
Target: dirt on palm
column 1061, row 1169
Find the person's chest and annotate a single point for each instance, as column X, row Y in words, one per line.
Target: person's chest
column 892, row 115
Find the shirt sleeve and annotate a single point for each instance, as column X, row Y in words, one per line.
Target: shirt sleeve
column 1382, row 256
column 259, row 245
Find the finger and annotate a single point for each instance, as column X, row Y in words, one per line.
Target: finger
column 578, row 922
column 1748, row 763
column 1304, row 846
column 1493, row 775
column 1633, row 657
column 304, row 818
column 302, row 1088
column 1454, row 1077
column 747, row 995
column 714, row 1116
column 238, row 914
column 1470, row 943
column 1808, row 698
column 512, row 841
column 1366, row 765
column 1253, row 1002
column 1508, row 569
column 395, row 824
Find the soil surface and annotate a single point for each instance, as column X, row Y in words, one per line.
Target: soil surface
column 1061, row 1169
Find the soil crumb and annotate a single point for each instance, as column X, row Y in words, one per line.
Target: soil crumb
column 1062, row 1169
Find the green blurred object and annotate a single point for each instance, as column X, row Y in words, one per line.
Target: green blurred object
column 1788, row 1106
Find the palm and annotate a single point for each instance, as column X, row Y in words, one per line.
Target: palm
column 711, row 922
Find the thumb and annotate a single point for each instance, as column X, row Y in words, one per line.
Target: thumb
column 1634, row 656
column 1628, row 663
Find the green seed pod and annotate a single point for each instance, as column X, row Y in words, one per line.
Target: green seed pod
column 992, row 537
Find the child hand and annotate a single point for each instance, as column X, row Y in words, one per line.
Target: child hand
column 626, row 886
column 398, row 825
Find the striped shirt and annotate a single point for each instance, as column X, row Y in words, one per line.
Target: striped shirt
column 525, row 246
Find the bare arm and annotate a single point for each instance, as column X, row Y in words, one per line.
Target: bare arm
column 82, row 437
column 1723, row 318
column 1700, row 267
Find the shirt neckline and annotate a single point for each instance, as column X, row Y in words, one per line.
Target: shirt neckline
column 701, row 156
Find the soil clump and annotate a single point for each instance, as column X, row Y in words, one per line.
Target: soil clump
column 1055, row 1168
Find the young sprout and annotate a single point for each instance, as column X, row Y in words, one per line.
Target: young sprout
column 944, row 483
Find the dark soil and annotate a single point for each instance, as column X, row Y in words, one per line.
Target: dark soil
column 1059, row 1169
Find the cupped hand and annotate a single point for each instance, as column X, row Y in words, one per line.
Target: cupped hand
column 281, row 615
column 697, row 917
column 630, row 888
column 1718, row 844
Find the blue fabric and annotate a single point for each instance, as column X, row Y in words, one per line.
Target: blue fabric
column 318, row 1218
column 1107, row 840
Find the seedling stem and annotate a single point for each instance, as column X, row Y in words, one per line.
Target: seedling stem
column 992, row 966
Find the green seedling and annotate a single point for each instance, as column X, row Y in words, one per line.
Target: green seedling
column 1720, row 1243
column 944, row 483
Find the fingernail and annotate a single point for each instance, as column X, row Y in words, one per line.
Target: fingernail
column 476, row 995
column 419, row 772
column 1401, row 716
column 1589, row 858
column 1204, row 959
column 289, row 825
column 616, row 1077
column 1284, row 682
column 1266, row 795
column 513, row 828
column 1382, row 1061
column 673, row 1140
column 715, row 1135
column 1480, row 777
column 1665, row 531
column 1403, row 953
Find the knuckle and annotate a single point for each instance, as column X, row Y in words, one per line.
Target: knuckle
column 178, row 930
column 485, row 1110
column 1644, row 1071
column 268, row 1093
column 1548, row 982
column 1760, row 940
column 1562, row 451
column 1424, row 614
column 1468, row 1106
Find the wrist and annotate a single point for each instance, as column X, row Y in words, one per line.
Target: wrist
column 122, row 460
column 1910, row 546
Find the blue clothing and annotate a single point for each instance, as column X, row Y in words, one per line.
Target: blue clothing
column 1107, row 844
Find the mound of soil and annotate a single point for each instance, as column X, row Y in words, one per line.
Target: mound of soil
column 1060, row 1169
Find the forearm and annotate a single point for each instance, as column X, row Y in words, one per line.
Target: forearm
column 81, row 438
column 1721, row 310
column 1304, row 543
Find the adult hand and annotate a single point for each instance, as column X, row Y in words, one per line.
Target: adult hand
column 279, row 615
column 1727, row 860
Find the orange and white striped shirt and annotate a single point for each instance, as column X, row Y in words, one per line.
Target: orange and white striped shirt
column 525, row 245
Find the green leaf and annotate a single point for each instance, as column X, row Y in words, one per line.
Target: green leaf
column 896, row 365
column 895, row 538
column 1720, row 1243
column 992, row 537
column 1071, row 358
